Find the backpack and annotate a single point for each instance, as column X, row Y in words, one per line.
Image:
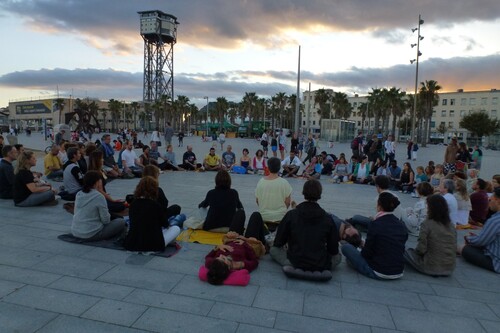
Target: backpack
column 355, row 143
column 415, row 147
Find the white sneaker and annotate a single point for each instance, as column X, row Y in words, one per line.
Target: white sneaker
column 57, row 197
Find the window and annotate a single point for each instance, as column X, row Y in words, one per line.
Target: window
column 442, row 124
column 355, row 104
column 472, row 101
column 484, row 100
column 443, row 113
column 433, row 124
column 494, row 100
column 494, row 114
column 452, row 101
column 445, row 101
column 463, row 101
column 314, row 122
column 462, row 113
column 303, row 122
column 450, row 124
column 433, row 113
column 452, row 113
column 359, row 123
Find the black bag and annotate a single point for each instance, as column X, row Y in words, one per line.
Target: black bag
column 264, row 143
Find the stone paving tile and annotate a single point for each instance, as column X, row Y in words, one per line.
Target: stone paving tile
column 192, row 286
column 59, row 228
column 7, row 287
column 13, row 239
column 495, row 308
column 384, row 330
column 107, row 255
column 139, row 277
column 20, row 257
column 246, row 328
column 459, row 307
column 467, row 294
column 243, row 314
column 412, row 275
column 486, row 282
column 170, row 301
column 115, row 312
column 57, row 246
column 27, row 276
column 490, row 326
column 356, row 312
column 425, row 321
column 27, row 230
column 64, row 324
column 51, row 300
column 174, row 265
column 92, row 288
column 268, row 265
column 369, row 294
column 169, row 321
column 330, row 288
column 71, row 266
column 268, row 279
column 400, row 284
column 294, row 323
column 279, row 300
column 20, row 319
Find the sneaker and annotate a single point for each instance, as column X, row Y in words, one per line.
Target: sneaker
column 57, row 197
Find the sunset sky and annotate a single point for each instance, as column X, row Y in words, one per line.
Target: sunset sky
column 226, row 48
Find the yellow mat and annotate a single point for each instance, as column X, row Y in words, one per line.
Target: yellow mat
column 201, row 236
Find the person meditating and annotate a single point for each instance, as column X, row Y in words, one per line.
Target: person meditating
column 223, row 203
column 382, row 254
column 238, row 251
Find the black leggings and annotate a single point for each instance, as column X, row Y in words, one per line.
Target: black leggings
column 476, row 256
column 255, row 227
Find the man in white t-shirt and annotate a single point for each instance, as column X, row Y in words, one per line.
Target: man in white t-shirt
column 390, row 148
column 273, row 195
column 447, row 187
column 291, row 165
column 130, row 161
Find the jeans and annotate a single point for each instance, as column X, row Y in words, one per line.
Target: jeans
column 170, row 234
column 36, row 199
column 476, row 256
column 55, row 174
column 359, row 263
column 360, row 222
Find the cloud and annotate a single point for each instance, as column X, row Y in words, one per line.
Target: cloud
column 466, row 73
column 227, row 23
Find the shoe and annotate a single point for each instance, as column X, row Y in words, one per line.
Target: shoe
column 57, row 197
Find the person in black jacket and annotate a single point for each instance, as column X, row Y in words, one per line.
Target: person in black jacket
column 309, row 232
column 223, row 202
column 170, row 211
column 382, row 254
column 147, row 217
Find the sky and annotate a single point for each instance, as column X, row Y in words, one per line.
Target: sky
column 93, row 48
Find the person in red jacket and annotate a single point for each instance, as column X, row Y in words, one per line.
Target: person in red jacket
column 479, row 201
column 238, row 251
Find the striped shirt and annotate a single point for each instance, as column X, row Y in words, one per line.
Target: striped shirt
column 489, row 238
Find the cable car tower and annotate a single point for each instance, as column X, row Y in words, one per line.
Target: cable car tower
column 159, row 32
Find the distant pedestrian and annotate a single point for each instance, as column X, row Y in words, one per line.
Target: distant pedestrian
column 169, row 133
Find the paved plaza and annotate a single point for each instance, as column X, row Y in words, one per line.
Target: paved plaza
column 47, row 285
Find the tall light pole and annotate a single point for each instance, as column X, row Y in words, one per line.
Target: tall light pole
column 297, row 99
column 414, row 111
column 206, row 97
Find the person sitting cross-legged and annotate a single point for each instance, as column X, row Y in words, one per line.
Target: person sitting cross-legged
column 73, row 175
column 381, row 256
column 212, row 161
column 92, row 220
column 437, row 241
column 291, row 165
column 483, row 249
column 309, row 233
column 9, row 154
column 52, row 164
column 131, row 163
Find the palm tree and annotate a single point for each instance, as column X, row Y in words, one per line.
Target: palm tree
column 322, row 98
column 341, row 105
column 397, row 105
column 279, row 102
column 59, row 104
column 104, row 112
column 135, row 107
column 232, row 112
column 249, row 103
column 157, row 107
column 221, row 107
column 181, row 108
column 430, row 98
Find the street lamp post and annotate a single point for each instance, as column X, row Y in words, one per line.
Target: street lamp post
column 206, row 97
column 414, row 111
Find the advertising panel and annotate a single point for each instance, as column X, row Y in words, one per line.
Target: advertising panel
column 38, row 107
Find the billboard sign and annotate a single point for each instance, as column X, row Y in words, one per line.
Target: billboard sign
column 38, row 107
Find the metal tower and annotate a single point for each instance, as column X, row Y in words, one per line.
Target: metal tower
column 159, row 32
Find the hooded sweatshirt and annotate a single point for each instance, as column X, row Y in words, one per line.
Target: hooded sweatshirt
column 91, row 214
column 311, row 236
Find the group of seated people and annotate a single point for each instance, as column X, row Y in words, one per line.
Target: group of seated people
column 304, row 237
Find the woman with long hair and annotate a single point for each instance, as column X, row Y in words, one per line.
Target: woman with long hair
column 259, row 162
column 92, row 220
column 463, row 202
column 382, row 254
column 245, row 161
column 223, row 202
column 313, row 169
column 170, row 211
column 147, row 219
column 28, row 191
column 417, row 214
column 407, row 180
column 437, row 241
